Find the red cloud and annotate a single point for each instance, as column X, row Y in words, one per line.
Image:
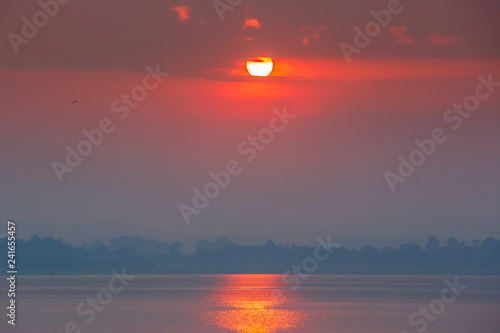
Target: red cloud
column 246, row 38
column 305, row 28
column 436, row 39
column 400, row 33
column 251, row 23
column 313, row 34
column 182, row 12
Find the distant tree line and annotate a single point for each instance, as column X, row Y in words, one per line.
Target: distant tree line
column 138, row 255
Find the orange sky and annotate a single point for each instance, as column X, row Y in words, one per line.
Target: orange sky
column 353, row 119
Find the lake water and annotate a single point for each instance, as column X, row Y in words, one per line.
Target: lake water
column 255, row 304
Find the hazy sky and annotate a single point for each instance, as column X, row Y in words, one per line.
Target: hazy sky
column 322, row 174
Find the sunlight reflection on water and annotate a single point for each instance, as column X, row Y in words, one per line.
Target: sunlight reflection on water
column 247, row 305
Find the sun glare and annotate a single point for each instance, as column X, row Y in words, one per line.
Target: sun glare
column 261, row 66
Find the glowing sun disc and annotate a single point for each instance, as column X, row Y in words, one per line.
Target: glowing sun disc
column 261, row 66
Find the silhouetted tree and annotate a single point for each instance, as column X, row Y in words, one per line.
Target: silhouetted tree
column 432, row 244
column 452, row 242
column 47, row 255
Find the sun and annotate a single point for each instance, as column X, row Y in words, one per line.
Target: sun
column 261, row 66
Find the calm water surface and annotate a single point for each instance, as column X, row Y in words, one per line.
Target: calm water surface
column 255, row 304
